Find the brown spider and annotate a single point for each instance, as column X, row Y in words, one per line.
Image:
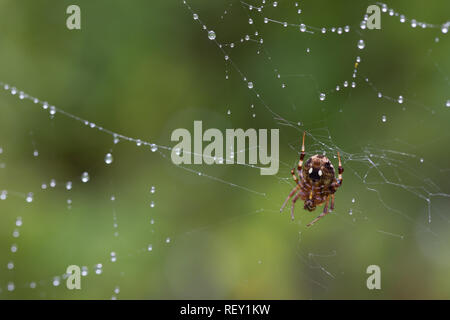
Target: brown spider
column 316, row 183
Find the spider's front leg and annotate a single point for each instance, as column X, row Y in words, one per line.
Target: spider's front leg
column 290, row 196
column 335, row 185
column 293, row 190
column 340, row 170
column 302, row 156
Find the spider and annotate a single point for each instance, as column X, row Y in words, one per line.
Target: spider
column 316, row 183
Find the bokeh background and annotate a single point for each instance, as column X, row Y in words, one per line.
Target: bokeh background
column 144, row 68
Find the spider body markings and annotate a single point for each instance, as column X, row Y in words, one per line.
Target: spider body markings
column 316, row 183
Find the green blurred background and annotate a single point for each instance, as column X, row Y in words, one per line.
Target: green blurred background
column 144, row 68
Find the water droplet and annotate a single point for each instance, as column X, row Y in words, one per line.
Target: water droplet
column 275, row 3
column 153, row 147
column 402, row 18
column 35, row 153
column 400, row 99
column 32, row 285
column 14, row 248
column 113, row 257
column 10, row 265
column 52, row 183
column 29, row 197
column 11, row 286
column 116, row 139
column 380, row 95
column 69, row 185
column 383, row 118
column 167, row 240
column 421, row 160
column 109, row 158
column 444, row 27
column 152, row 189
column 413, row 23
column 98, row 268
column 149, row 247
column 350, row 212
column 195, row 16
column 85, row 177
column 353, row 200
column 19, row 221
column 152, row 204
column 211, row 35
column 322, row 96
column 56, row 281
column 302, row 27
column 447, row 104
column 361, row 44
column 250, row 85
column 250, row 21
column 84, row 271
column 363, row 24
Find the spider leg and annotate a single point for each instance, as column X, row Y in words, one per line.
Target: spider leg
column 324, row 213
column 289, row 196
column 340, row 170
column 293, row 205
column 302, row 156
column 332, row 202
column 294, row 176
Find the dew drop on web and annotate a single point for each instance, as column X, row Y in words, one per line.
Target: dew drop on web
column 109, row 158
column 85, row 177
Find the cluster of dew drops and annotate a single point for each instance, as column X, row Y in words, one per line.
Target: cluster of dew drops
column 85, row 178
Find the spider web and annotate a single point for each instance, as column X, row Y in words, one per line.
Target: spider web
column 159, row 244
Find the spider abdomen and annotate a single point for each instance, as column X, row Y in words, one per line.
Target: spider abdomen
column 317, row 184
